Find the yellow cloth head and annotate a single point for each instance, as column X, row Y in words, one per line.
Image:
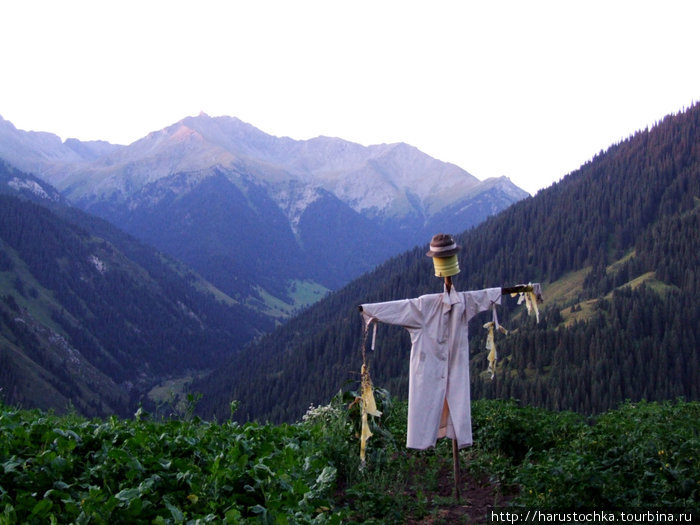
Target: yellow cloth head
column 446, row 266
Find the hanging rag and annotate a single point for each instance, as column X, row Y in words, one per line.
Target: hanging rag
column 369, row 407
column 492, row 326
column 367, row 402
column 531, row 296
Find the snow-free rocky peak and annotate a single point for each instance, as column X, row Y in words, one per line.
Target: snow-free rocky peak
column 384, row 180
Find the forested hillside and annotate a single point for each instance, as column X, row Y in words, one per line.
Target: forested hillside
column 91, row 318
column 616, row 245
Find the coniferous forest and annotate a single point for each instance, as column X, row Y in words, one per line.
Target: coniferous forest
column 616, row 246
column 90, row 317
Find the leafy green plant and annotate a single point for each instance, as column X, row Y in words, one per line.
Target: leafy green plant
column 82, row 471
column 640, row 455
column 67, row 469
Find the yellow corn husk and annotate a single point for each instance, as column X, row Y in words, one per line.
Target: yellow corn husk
column 369, row 406
column 366, row 434
column 530, row 298
column 531, row 304
column 491, row 346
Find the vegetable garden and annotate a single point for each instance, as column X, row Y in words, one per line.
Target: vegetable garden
column 68, row 469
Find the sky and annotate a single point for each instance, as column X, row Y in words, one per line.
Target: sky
column 526, row 89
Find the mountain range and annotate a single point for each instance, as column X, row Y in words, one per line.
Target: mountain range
column 273, row 222
column 616, row 246
column 124, row 267
column 94, row 318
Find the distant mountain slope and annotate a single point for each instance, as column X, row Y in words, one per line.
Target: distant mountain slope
column 19, row 184
column 91, row 317
column 37, row 152
column 617, row 246
column 258, row 215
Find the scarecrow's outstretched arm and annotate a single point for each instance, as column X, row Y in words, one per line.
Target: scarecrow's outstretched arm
column 520, row 288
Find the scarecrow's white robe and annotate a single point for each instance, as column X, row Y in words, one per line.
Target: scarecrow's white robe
column 438, row 391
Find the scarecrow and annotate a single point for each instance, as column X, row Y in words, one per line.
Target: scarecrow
column 438, row 392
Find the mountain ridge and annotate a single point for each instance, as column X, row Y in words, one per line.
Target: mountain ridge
column 387, row 196
column 232, row 142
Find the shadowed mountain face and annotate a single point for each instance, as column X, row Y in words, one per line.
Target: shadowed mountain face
column 89, row 316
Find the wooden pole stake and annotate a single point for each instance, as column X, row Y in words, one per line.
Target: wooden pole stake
column 455, row 448
column 455, row 467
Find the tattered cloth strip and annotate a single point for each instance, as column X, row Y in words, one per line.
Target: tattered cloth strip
column 530, row 297
column 369, row 406
column 366, row 399
column 491, row 343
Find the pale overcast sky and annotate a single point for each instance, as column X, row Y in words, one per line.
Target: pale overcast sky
column 528, row 89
